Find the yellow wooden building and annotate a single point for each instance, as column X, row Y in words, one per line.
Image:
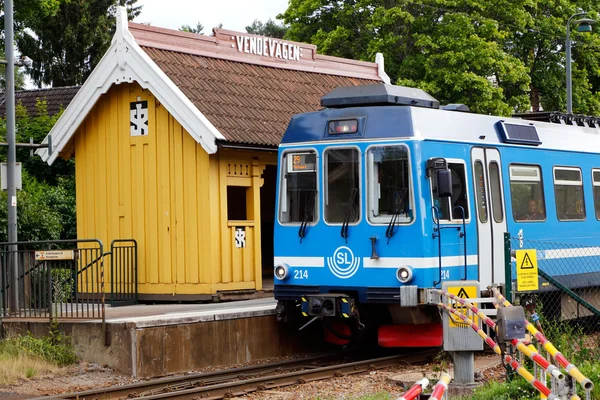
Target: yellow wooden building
column 175, row 143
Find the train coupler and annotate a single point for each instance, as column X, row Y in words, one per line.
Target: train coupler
column 328, row 305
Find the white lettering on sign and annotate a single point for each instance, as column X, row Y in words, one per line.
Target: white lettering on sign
column 268, row 48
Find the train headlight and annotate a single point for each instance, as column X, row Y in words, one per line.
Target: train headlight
column 404, row 274
column 282, row 272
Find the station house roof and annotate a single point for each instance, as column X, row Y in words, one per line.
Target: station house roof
column 232, row 87
column 56, row 99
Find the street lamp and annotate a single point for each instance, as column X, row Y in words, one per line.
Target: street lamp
column 583, row 25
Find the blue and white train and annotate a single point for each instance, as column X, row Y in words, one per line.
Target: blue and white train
column 384, row 194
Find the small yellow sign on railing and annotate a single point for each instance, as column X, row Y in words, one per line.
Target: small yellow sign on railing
column 527, row 270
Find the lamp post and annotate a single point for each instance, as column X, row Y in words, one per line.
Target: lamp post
column 583, row 25
column 12, row 152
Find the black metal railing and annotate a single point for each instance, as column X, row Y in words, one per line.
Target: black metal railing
column 52, row 279
column 123, row 272
column 65, row 279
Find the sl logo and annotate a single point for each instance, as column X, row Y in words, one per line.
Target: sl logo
column 343, row 264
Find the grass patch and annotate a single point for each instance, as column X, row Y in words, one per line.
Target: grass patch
column 25, row 356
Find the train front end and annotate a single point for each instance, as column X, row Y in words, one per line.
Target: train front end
column 350, row 249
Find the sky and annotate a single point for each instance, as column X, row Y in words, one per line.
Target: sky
column 233, row 14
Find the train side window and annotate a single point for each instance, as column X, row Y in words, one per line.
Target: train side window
column 568, row 193
column 527, row 193
column 389, row 184
column 496, row 189
column 596, row 185
column 449, row 208
column 298, row 202
column 482, row 207
column 342, row 185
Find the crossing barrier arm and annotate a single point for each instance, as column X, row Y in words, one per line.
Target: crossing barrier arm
column 514, row 364
column 571, row 369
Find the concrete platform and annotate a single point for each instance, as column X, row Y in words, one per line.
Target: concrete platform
column 158, row 340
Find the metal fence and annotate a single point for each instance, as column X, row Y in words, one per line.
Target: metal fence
column 568, row 282
column 123, row 272
column 65, row 279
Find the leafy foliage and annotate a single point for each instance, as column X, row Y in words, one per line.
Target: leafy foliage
column 69, row 40
column 496, row 57
column 55, row 348
column 46, row 205
column 269, row 28
column 199, row 28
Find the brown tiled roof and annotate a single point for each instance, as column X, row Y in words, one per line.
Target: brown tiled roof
column 56, row 98
column 247, row 103
column 249, row 100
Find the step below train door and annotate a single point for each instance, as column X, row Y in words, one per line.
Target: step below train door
column 490, row 210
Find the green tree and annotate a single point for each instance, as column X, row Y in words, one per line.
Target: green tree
column 497, row 57
column 199, row 28
column 269, row 29
column 540, row 46
column 66, row 46
column 46, row 205
column 452, row 49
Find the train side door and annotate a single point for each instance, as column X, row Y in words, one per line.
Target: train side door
column 489, row 205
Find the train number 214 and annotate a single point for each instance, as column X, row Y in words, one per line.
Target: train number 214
column 445, row 274
column 300, row 274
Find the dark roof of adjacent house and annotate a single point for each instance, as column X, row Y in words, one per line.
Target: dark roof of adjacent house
column 248, row 92
column 56, row 99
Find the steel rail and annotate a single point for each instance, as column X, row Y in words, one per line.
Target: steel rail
column 201, row 378
column 240, row 381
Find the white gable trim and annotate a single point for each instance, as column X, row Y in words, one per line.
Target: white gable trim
column 126, row 62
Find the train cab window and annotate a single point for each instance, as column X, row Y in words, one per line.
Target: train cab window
column 596, row 184
column 342, row 180
column 527, row 193
column 389, row 184
column 452, row 208
column 298, row 188
column 568, row 192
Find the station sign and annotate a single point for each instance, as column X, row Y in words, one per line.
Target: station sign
column 527, row 270
column 46, row 255
column 268, row 47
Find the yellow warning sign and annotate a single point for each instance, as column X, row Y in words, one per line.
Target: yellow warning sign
column 527, row 270
column 464, row 292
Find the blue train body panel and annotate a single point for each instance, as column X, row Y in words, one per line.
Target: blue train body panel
column 497, row 175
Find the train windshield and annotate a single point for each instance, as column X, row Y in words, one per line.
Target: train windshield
column 298, row 188
column 342, row 197
column 389, row 184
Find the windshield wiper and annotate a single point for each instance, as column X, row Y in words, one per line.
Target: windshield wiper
column 392, row 228
column 344, row 231
column 308, row 214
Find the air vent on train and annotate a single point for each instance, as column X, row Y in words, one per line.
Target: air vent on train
column 456, row 107
column 378, row 95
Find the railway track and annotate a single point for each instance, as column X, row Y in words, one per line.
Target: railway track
column 240, row 381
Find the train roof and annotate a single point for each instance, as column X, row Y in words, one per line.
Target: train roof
column 430, row 123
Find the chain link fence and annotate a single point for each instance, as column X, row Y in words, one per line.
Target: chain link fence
column 568, row 283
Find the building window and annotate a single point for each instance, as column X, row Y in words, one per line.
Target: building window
column 596, row 184
column 298, row 202
column 237, row 203
column 496, row 189
column 342, row 185
column 527, row 193
column 389, row 184
column 482, row 207
column 452, row 208
column 568, row 193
